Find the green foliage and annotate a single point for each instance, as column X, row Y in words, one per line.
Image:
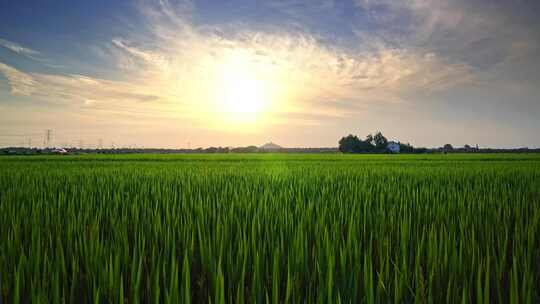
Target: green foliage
column 406, row 148
column 349, row 144
column 380, row 141
column 270, row 228
column 372, row 144
column 352, row 144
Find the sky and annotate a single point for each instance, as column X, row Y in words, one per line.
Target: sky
column 300, row 73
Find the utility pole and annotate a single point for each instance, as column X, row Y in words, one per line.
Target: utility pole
column 30, row 143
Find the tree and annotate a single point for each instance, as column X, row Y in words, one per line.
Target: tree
column 380, row 141
column 448, row 147
column 352, row 144
column 365, row 146
column 406, row 148
column 369, row 139
column 248, row 149
column 349, row 144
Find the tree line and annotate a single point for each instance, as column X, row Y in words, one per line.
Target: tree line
column 377, row 143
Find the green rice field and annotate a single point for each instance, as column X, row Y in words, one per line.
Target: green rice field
column 270, row 228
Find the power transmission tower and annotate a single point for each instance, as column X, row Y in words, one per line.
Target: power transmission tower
column 48, row 137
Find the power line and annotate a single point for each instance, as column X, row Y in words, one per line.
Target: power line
column 20, row 135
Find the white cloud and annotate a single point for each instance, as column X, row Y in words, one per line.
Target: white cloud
column 21, row 83
column 180, row 57
column 468, row 32
column 178, row 64
column 17, row 48
column 72, row 88
column 411, row 53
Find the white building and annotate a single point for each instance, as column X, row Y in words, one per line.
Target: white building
column 393, row 147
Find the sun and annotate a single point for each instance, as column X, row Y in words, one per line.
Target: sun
column 243, row 92
column 243, row 95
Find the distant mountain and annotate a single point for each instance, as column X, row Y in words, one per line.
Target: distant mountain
column 270, row 147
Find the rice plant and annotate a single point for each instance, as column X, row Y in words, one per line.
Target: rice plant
column 270, row 229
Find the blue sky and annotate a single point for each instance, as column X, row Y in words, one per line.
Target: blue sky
column 299, row 73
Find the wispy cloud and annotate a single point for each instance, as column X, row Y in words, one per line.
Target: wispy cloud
column 19, row 49
column 74, row 89
column 474, row 32
column 408, row 49
column 29, row 53
column 320, row 63
column 182, row 64
column 180, row 58
column 21, row 83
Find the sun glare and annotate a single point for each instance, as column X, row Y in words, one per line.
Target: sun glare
column 243, row 91
column 243, row 95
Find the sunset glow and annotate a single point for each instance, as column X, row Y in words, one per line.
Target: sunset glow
column 232, row 73
column 270, row 151
column 242, row 92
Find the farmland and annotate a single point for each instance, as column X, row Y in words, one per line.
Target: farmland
column 279, row 228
